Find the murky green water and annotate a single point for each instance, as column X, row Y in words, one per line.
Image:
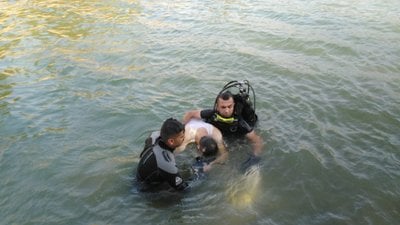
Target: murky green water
column 82, row 83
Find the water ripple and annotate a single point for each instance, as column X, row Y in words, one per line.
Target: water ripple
column 82, row 84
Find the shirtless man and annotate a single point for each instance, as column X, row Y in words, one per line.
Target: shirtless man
column 195, row 130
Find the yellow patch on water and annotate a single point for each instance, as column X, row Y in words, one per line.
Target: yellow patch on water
column 244, row 191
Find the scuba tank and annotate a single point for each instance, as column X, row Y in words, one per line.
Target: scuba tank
column 245, row 100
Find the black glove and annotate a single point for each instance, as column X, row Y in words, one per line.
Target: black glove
column 184, row 187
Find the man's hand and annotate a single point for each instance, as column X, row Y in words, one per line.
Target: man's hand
column 207, row 167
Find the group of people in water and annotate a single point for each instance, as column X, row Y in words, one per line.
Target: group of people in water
column 233, row 116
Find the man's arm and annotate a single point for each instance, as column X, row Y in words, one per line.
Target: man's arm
column 194, row 114
column 256, row 142
column 185, row 142
column 222, row 151
column 222, row 154
column 174, row 180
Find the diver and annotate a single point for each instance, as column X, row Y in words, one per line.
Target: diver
column 157, row 165
column 207, row 139
column 234, row 115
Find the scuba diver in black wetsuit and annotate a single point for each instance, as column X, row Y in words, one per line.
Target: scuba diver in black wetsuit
column 234, row 115
column 157, row 165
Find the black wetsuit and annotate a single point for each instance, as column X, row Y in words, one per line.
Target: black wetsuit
column 157, row 165
column 238, row 128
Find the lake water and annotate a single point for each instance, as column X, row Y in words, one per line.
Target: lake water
column 82, row 84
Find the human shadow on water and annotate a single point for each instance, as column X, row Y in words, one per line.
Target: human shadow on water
column 161, row 196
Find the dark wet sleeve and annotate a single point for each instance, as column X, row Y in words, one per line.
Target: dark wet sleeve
column 245, row 126
column 175, row 180
column 206, row 113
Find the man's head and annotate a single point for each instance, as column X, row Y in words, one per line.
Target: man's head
column 225, row 104
column 208, row 146
column 172, row 133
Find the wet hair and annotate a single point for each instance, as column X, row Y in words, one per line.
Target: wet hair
column 209, row 145
column 225, row 95
column 170, row 128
